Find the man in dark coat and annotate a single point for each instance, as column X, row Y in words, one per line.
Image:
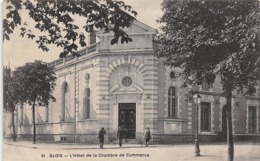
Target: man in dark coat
column 147, row 136
column 120, row 135
column 101, row 135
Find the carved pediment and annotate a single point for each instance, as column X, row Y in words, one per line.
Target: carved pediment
column 134, row 89
column 137, row 27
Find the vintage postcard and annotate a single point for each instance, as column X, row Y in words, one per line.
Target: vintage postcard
column 77, row 87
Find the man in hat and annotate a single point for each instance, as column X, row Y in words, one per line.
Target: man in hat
column 120, row 135
column 101, row 135
column 147, row 136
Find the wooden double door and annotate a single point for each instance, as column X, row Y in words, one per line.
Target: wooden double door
column 127, row 119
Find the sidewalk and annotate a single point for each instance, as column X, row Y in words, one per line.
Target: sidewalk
column 59, row 145
column 56, row 151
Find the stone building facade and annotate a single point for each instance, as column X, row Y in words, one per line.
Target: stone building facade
column 127, row 85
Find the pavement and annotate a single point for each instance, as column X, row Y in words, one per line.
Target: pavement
column 53, row 151
column 60, row 145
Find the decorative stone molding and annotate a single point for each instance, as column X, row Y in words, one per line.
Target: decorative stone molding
column 64, row 73
column 135, row 89
column 87, row 78
column 126, row 59
column 115, row 87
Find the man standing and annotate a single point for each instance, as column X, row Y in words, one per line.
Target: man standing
column 147, row 136
column 120, row 135
column 101, row 135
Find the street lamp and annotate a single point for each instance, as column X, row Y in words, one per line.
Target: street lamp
column 197, row 99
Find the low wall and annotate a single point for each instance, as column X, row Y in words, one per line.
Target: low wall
column 203, row 138
column 182, row 138
column 247, row 137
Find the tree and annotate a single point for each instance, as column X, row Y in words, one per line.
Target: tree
column 35, row 87
column 55, row 20
column 208, row 38
column 10, row 97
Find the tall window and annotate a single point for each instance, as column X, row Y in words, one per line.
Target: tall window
column 86, row 104
column 172, row 75
column 205, row 86
column 252, row 119
column 21, row 114
column 47, row 113
column 64, row 99
column 205, row 120
column 172, row 102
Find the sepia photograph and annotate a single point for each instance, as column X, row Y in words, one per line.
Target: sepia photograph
column 148, row 80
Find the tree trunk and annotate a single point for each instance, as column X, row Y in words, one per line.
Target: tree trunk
column 13, row 125
column 230, row 142
column 34, row 126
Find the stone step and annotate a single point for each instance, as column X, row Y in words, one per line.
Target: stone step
column 129, row 141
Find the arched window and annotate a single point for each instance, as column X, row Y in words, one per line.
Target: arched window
column 172, row 103
column 86, row 104
column 64, row 100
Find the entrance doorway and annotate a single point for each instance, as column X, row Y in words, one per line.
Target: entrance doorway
column 127, row 118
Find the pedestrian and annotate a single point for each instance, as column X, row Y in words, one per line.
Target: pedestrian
column 101, row 135
column 120, row 135
column 147, row 136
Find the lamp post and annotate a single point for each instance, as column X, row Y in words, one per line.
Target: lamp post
column 197, row 99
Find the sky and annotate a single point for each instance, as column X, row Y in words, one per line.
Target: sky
column 17, row 51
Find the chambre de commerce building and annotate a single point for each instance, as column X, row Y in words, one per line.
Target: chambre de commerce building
column 127, row 85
